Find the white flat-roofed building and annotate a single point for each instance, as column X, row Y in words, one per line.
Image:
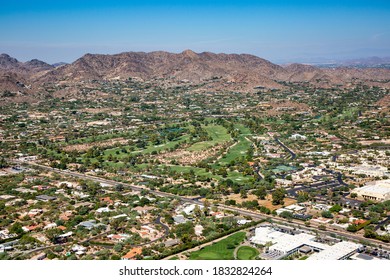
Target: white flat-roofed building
column 289, row 244
column 345, row 211
column 6, row 197
column 298, row 137
column 369, row 170
column 376, row 190
column 285, row 244
column 339, row 251
column 188, row 209
column 68, row 234
column 103, row 210
column 281, row 210
column 265, row 234
column 149, row 176
column 243, row 222
column 323, row 207
column 284, row 182
column 50, row 226
column 295, row 207
column 120, row 216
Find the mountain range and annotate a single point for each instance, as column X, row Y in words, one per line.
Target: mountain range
column 245, row 71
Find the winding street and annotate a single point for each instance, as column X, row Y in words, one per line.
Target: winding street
column 293, row 155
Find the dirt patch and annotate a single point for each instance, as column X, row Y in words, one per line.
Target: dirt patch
column 85, row 147
column 370, row 142
column 185, row 157
column 266, row 203
column 283, row 106
column 384, row 102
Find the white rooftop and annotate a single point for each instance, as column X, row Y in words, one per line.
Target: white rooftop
column 380, row 183
column 374, row 189
column 294, row 207
column 336, row 252
column 66, row 234
column 281, row 210
column 119, row 216
column 284, row 244
column 103, row 209
column 265, row 234
column 289, row 242
column 188, row 209
column 379, row 188
column 243, row 222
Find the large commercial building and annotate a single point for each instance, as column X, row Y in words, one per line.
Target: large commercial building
column 376, row 190
column 369, row 170
column 285, row 244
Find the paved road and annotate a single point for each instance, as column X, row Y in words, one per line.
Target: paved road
column 383, row 223
column 336, row 183
column 339, row 176
column 166, row 229
column 254, row 215
column 293, row 155
column 256, row 169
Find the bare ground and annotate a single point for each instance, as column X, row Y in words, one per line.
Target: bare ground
column 84, row 147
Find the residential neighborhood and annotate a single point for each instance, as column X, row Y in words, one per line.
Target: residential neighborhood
column 155, row 178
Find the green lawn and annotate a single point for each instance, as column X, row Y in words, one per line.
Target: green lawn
column 148, row 149
column 240, row 149
column 198, row 171
column 239, row 177
column 233, row 175
column 247, row 253
column 218, row 134
column 222, row 250
column 237, row 151
column 243, row 129
column 98, row 138
column 164, row 146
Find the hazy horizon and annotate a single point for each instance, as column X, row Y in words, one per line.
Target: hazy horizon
column 279, row 31
column 309, row 60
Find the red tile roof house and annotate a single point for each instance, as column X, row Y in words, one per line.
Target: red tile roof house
column 61, row 228
column 66, row 215
column 106, row 199
column 118, row 237
column 358, row 222
column 30, row 228
column 132, row 254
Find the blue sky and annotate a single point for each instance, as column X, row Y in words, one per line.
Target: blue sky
column 281, row 31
